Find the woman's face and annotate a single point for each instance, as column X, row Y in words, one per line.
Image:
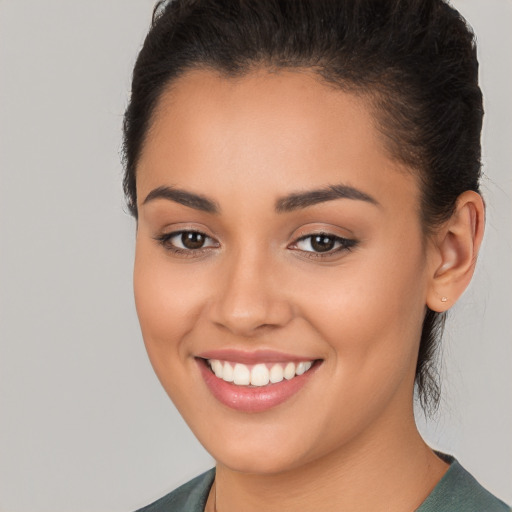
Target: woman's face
column 274, row 228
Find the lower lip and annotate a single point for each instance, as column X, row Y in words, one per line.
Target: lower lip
column 253, row 399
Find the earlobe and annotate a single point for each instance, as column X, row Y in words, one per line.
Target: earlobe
column 456, row 247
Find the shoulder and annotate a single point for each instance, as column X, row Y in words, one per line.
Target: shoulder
column 458, row 491
column 190, row 497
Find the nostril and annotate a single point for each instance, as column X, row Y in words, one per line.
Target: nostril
column 249, row 319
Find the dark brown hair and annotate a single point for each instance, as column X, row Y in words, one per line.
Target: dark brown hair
column 415, row 59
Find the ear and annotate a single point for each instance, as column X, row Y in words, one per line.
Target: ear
column 455, row 250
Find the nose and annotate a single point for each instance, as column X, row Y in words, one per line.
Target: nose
column 250, row 297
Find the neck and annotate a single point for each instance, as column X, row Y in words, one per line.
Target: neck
column 394, row 470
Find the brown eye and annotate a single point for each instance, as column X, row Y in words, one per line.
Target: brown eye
column 186, row 241
column 322, row 243
column 192, row 240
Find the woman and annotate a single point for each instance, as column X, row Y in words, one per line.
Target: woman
column 305, row 178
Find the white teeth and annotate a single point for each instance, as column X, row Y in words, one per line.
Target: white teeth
column 217, row 367
column 227, row 372
column 276, row 373
column 289, row 371
column 302, row 368
column 241, row 375
column 260, row 376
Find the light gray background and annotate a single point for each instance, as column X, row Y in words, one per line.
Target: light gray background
column 84, row 424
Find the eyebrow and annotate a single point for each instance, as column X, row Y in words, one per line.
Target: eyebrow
column 196, row 201
column 299, row 200
column 288, row 203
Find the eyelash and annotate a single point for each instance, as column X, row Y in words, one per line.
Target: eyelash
column 165, row 241
column 344, row 244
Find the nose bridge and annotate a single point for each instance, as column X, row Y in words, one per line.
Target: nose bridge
column 249, row 297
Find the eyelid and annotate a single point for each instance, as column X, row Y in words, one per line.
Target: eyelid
column 345, row 244
column 175, row 227
column 164, row 239
column 341, row 243
column 322, row 228
column 175, row 234
column 336, row 238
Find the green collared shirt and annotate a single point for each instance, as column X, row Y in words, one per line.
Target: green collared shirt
column 457, row 491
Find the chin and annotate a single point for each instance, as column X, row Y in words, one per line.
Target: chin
column 266, row 451
column 261, row 462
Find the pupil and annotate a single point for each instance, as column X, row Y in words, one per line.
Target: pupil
column 322, row 243
column 192, row 240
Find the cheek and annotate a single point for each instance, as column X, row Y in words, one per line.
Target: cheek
column 168, row 301
column 370, row 310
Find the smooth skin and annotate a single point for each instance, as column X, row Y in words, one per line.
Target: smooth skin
column 254, row 280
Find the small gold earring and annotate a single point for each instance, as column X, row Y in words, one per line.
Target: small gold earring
column 444, row 299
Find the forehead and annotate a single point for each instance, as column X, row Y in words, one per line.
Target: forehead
column 285, row 129
column 295, row 105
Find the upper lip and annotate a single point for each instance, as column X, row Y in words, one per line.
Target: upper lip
column 253, row 357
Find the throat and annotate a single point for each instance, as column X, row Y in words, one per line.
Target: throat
column 398, row 484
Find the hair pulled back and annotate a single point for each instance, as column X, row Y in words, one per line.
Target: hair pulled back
column 414, row 59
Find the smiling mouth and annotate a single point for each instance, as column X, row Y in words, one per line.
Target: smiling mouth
column 255, row 385
column 257, row 375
